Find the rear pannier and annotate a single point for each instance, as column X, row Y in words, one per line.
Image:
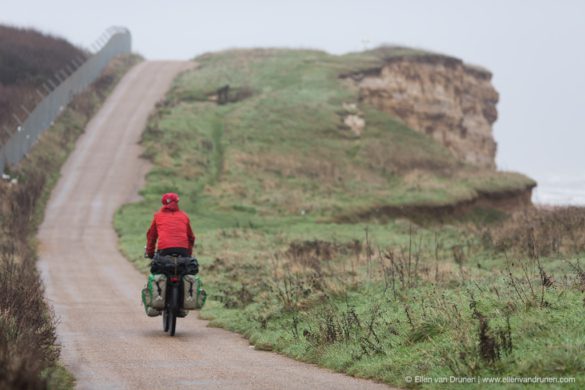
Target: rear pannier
column 157, row 288
column 146, row 301
column 194, row 296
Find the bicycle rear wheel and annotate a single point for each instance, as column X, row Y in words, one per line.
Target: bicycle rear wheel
column 165, row 319
column 174, row 309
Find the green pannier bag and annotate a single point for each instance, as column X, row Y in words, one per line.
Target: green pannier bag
column 146, row 301
column 194, row 296
column 156, row 289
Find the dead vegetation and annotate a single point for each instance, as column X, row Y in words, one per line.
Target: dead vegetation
column 483, row 348
column 539, row 232
column 421, row 292
column 28, row 350
column 24, row 319
column 28, row 60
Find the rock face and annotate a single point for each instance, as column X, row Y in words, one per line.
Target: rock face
column 441, row 96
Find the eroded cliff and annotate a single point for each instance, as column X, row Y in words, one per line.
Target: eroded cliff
column 453, row 102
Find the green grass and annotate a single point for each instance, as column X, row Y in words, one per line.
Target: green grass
column 265, row 178
column 285, row 147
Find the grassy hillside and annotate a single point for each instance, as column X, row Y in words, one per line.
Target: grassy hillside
column 269, row 179
column 28, row 59
column 283, row 148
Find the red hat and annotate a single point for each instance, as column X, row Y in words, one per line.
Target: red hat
column 169, row 198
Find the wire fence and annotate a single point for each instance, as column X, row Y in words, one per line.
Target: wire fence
column 70, row 81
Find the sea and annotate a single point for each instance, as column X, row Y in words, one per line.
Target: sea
column 559, row 190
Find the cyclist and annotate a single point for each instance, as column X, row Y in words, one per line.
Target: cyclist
column 171, row 229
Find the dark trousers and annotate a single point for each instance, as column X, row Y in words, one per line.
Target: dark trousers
column 174, row 251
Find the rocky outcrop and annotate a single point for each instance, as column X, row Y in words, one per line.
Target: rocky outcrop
column 441, row 96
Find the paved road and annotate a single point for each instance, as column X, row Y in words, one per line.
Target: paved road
column 108, row 342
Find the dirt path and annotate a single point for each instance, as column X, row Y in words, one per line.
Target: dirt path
column 108, row 342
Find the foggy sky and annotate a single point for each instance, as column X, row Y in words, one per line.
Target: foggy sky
column 536, row 49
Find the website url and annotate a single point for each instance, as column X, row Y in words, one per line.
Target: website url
column 533, row 379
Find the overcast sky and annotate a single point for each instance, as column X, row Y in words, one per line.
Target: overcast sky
column 536, row 49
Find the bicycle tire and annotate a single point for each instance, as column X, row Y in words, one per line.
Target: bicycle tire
column 165, row 319
column 173, row 310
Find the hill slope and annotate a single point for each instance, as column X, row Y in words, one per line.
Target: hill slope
column 294, row 211
column 28, row 59
column 281, row 144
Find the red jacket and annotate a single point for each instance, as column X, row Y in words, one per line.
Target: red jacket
column 172, row 228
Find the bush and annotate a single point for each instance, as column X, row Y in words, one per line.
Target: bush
column 28, row 59
column 540, row 232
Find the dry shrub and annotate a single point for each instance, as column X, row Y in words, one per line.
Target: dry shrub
column 235, row 294
column 312, row 253
column 540, row 232
column 471, row 352
column 28, row 350
column 27, row 59
column 334, row 325
column 27, row 331
column 309, row 272
column 30, row 55
column 580, row 275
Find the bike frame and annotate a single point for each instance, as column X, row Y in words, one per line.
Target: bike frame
column 173, row 302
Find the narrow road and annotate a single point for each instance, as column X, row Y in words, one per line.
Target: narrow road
column 108, row 342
